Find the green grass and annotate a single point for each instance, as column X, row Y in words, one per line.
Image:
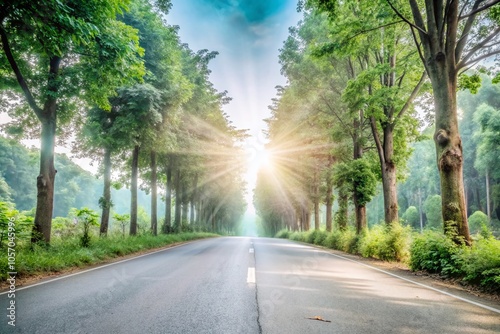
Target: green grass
column 66, row 254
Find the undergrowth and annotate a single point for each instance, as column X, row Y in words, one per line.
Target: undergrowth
column 68, row 253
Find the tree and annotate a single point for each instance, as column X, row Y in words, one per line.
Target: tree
column 450, row 37
column 385, row 86
column 78, row 50
column 139, row 107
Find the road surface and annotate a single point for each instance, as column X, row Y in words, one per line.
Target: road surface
column 243, row 285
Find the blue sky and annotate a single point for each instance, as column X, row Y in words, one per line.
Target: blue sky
column 247, row 35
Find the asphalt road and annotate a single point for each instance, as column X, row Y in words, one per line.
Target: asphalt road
column 243, row 285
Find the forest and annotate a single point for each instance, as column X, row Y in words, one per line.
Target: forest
column 388, row 124
column 112, row 82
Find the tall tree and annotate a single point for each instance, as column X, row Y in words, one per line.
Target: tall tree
column 451, row 36
column 77, row 50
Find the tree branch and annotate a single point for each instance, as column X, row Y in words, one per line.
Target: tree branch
column 417, row 44
column 413, row 95
column 465, row 32
column 478, row 46
column 480, row 9
column 17, row 72
column 376, row 28
column 475, row 60
column 376, row 138
column 421, row 28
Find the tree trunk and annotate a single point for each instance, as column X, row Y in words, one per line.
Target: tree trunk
column 359, row 209
column 199, row 212
column 449, row 149
column 420, row 211
column 194, row 195
column 316, row 213
column 168, row 202
column 390, row 193
column 342, row 213
column 212, row 219
column 488, row 208
column 329, row 205
column 185, row 203
column 106, row 196
column 178, row 202
column 154, row 195
column 308, row 219
column 46, row 179
column 133, row 190
column 385, row 150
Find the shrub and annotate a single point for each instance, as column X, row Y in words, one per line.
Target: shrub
column 283, row 234
column 88, row 218
column 386, row 242
column 481, row 263
column 478, row 221
column 320, row 237
column 436, row 253
column 297, row 236
column 371, row 241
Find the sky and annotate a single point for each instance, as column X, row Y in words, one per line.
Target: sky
column 247, row 35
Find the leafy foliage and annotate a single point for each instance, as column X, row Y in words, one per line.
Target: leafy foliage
column 481, row 263
column 87, row 218
column 386, row 242
column 22, row 225
column 359, row 175
column 435, row 253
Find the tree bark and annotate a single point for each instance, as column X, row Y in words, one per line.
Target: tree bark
column 168, row 202
column 194, row 195
column 106, row 196
column 316, row 211
column 46, row 178
column 359, row 209
column 342, row 212
column 385, row 150
column 420, row 211
column 488, row 208
column 178, row 202
column 133, row 190
column 154, row 195
column 329, row 205
column 185, row 203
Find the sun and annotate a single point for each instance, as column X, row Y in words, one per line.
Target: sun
column 259, row 158
column 262, row 159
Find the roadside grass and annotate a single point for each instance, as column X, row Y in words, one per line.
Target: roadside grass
column 67, row 253
column 431, row 251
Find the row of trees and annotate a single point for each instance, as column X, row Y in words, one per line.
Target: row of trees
column 347, row 116
column 115, row 76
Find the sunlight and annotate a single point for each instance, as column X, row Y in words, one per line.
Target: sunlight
column 262, row 159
